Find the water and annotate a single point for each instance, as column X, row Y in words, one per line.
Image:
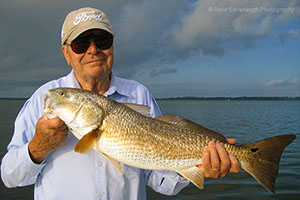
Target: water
column 245, row 121
column 8, row 112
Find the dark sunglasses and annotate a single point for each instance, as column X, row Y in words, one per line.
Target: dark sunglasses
column 81, row 44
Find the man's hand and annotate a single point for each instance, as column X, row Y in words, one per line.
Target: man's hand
column 216, row 162
column 49, row 135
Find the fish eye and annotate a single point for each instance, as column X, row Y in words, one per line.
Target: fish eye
column 62, row 94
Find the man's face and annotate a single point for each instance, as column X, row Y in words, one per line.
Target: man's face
column 94, row 63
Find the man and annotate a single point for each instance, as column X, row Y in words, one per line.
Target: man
column 41, row 151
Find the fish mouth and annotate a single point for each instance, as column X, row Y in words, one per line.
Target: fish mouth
column 48, row 107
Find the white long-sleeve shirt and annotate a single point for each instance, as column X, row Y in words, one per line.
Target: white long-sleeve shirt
column 65, row 174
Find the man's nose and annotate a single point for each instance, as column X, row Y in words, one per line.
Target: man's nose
column 93, row 49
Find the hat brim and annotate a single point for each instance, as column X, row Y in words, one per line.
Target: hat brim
column 82, row 29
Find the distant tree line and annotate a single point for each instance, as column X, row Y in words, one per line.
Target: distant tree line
column 205, row 98
column 230, row 98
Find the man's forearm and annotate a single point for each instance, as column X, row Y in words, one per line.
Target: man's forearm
column 36, row 151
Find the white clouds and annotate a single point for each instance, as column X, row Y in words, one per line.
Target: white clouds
column 141, row 34
column 291, row 34
column 165, row 32
column 275, row 82
column 163, row 70
column 214, row 25
column 281, row 87
column 282, row 82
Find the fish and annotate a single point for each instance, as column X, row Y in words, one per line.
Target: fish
column 125, row 133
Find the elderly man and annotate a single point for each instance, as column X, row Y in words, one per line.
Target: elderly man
column 41, row 151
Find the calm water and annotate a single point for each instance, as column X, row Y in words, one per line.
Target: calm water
column 246, row 121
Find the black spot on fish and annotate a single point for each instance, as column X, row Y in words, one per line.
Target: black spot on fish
column 254, row 150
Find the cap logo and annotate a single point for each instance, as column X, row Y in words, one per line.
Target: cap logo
column 85, row 16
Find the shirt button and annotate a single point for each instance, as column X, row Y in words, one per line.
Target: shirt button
column 102, row 194
column 100, row 164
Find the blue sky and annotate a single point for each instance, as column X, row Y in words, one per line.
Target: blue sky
column 174, row 47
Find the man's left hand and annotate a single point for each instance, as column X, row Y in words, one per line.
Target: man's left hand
column 216, row 162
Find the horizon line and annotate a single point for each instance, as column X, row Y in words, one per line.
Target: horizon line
column 201, row 98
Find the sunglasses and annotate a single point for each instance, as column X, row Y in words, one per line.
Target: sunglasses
column 81, row 44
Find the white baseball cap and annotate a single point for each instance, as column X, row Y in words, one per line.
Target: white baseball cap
column 83, row 19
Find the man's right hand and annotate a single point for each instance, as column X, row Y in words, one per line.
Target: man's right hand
column 49, row 135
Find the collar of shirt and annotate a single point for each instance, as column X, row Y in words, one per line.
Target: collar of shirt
column 116, row 85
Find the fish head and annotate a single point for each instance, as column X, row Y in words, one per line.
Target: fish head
column 80, row 113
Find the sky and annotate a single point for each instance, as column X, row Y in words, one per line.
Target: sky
column 176, row 48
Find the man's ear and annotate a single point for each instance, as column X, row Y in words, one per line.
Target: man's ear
column 64, row 49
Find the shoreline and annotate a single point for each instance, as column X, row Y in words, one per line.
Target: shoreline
column 231, row 98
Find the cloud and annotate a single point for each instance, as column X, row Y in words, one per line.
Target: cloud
column 163, row 70
column 281, row 82
column 141, row 34
column 165, row 33
column 281, row 87
column 291, row 34
column 216, row 27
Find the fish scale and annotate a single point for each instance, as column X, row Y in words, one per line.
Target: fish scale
column 137, row 142
column 122, row 134
column 173, row 147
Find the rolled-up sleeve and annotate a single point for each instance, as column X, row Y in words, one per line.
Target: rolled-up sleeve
column 166, row 182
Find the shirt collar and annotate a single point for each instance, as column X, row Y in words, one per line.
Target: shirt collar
column 116, row 85
column 72, row 80
column 112, row 86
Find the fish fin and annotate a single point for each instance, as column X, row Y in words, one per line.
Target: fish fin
column 116, row 164
column 86, row 143
column 182, row 122
column 193, row 174
column 267, row 153
column 142, row 109
column 78, row 132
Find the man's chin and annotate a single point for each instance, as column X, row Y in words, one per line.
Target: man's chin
column 98, row 71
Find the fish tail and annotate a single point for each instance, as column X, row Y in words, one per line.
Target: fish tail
column 266, row 153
